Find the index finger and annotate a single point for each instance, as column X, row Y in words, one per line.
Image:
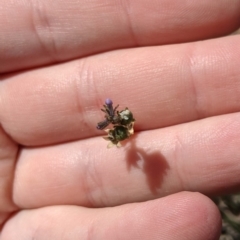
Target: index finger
column 35, row 33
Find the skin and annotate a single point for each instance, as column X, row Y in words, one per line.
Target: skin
column 60, row 61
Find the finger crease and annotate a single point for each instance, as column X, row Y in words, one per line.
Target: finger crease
column 196, row 105
column 126, row 9
column 41, row 26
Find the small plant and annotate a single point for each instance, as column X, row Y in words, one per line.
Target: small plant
column 122, row 122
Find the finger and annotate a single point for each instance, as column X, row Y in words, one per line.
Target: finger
column 43, row 32
column 200, row 156
column 177, row 217
column 8, row 155
column 162, row 86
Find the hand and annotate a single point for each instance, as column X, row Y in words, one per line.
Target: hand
column 60, row 60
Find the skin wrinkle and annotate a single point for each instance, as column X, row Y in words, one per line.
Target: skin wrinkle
column 85, row 87
column 92, row 180
column 79, row 81
column 190, row 56
column 126, row 7
column 89, row 181
column 176, row 156
column 42, row 29
column 85, row 188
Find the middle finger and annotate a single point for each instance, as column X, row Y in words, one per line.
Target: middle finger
column 199, row 156
column 162, row 86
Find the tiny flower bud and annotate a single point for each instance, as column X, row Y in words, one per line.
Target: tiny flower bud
column 108, row 101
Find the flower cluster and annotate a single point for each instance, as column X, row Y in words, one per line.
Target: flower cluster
column 122, row 122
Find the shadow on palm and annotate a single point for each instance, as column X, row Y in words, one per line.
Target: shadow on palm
column 152, row 163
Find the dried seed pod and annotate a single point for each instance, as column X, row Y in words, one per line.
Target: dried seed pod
column 125, row 117
column 116, row 135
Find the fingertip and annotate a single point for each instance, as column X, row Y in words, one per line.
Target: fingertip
column 204, row 219
column 184, row 215
column 181, row 216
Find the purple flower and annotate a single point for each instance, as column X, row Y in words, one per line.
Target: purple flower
column 108, row 102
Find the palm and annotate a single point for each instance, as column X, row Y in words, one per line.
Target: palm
column 185, row 99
